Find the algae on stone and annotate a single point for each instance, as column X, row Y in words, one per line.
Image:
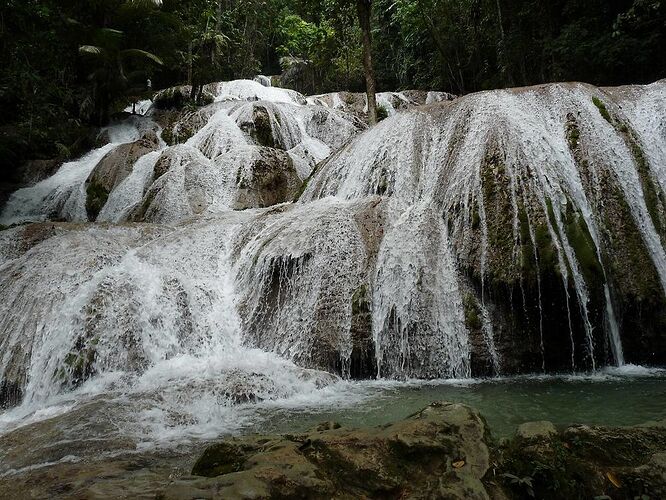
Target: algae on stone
column 96, row 197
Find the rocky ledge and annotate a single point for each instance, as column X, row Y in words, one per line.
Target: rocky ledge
column 443, row 451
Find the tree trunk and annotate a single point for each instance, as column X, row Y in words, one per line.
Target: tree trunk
column 190, row 62
column 218, row 30
column 364, row 8
column 501, row 49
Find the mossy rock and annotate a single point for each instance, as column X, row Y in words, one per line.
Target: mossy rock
column 602, row 109
column 584, row 462
column 96, row 197
column 362, row 362
column 472, row 312
column 79, row 364
column 222, row 458
column 573, row 133
column 303, row 187
column 382, row 113
column 539, row 253
column 579, row 237
column 360, row 302
column 11, row 394
column 444, row 440
column 263, row 131
column 260, row 128
column 652, row 192
column 502, row 268
column 172, row 98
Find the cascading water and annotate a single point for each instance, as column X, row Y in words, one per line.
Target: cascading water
column 63, row 195
column 505, row 162
column 475, row 237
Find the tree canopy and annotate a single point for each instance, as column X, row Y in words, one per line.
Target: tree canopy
column 66, row 65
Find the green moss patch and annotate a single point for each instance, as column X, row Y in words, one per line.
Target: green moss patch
column 96, row 197
column 79, row 364
column 602, row 109
column 499, row 220
column 472, row 312
column 630, row 261
column 303, row 187
column 651, row 190
column 573, row 134
column 583, row 245
column 222, row 458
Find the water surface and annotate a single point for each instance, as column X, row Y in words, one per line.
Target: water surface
column 612, row 397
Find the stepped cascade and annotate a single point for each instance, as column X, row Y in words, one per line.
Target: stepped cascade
column 269, row 244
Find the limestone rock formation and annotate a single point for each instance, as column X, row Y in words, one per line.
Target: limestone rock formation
column 553, row 206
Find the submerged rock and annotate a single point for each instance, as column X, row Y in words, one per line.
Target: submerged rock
column 536, row 430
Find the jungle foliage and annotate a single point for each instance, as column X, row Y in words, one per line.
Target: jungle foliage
column 68, row 65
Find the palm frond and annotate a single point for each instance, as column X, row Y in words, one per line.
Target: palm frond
column 146, row 3
column 111, row 32
column 142, row 54
column 91, row 50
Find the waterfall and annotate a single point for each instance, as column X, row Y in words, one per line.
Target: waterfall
column 266, row 240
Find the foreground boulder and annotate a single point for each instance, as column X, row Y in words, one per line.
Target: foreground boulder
column 443, row 451
column 439, row 452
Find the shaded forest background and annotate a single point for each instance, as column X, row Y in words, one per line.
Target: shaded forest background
column 67, row 65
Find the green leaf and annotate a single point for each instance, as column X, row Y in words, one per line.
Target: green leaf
column 146, row 3
column 142, row 54
column 90, row 50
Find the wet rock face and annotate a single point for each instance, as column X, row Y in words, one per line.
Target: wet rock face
column 553, row 202
column 113, row 169
column 390, row 102
column 267, row 179
column 293, row 301
column 439, row 452
column 10, row 394
column 177, row 97
column 259, row 128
